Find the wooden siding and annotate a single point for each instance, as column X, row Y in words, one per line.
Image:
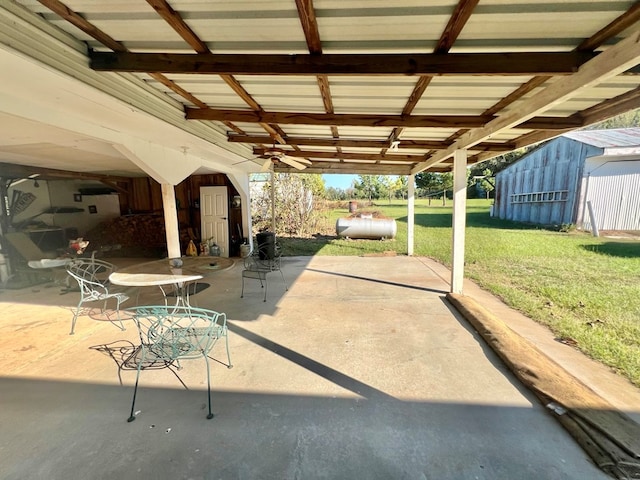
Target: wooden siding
column 145, row 196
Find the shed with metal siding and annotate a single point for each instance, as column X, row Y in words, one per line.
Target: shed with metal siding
column 552, row 184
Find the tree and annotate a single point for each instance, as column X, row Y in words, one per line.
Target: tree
column 333, row 193
column 447, row 184
column 498, row 163
column 429, row 183
column 401, row 186
column 389, row 186
column 368, row 186
column 293, row 204
column 487, row 182
column 315, row 183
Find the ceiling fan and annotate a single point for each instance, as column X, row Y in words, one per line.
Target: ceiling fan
column 275, row 155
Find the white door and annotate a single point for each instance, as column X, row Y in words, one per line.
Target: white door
column 214, row 212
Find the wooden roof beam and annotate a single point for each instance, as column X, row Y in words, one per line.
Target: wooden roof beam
column 377, row 157
column 94, row 32
column 617, row 26
column 512, row 63
column 372, row 120
column 176, row 22
column 613, row 61
column 363, row 143
column 610, row 108
column 456, row 23
column 349, row 168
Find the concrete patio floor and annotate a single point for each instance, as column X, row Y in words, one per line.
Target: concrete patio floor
column 360, row 370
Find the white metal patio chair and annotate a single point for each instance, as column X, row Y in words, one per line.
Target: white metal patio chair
column 93, row 280
column 169, row 334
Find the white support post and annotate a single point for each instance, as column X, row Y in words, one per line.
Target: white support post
column 410, row 213
column 273, row 202
column 459, row 219
column 171, row 220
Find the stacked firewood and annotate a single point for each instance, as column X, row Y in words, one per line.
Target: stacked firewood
column 129, row 235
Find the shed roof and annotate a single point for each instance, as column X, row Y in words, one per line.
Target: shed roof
column 617, row 137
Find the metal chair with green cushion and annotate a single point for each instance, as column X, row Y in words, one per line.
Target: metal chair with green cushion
column 260, row 262
column 93, row 279
column 169, row 334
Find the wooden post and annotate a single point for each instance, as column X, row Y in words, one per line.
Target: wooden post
column 459, row 219
column 273, row 202
column 410, row 213
column 171, row 220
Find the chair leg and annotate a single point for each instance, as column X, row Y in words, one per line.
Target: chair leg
column 226, row 341
column 284, row 281
column 132, row 416
column 266, row 286
column 75, row 318
column 242, row 291
column 118, row 314
column 210, row 415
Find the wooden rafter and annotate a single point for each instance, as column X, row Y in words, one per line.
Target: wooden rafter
column 179, row 25
column 373, row 120
column 472, row 131
column 456, row 23
column 511, row 63
column 613, row 61
column 361, row 143
column 393, row 157
column 176, row 22
column 349, row 168
column 620, row 24
column 594, row 114
column 307, row 15
column 620, row 104
column 82, row 24
column 615, row 27
column 87, row 27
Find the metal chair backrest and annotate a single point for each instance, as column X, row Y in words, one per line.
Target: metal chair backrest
column 93, row 280
column 173, row 333
column 170, row 333
column 260, row 262
column 92, row 276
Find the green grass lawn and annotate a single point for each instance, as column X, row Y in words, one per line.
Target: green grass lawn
column 586, row 289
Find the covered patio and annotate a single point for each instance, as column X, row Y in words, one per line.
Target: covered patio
column 360, row 370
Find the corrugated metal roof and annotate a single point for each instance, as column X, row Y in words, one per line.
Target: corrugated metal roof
column 618, row 137
column 374, row 27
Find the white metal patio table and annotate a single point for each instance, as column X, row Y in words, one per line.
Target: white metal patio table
column 176, row 273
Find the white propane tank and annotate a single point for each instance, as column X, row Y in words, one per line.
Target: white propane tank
column 363, row 227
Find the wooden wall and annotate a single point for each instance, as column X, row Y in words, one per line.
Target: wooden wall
column 145, row 196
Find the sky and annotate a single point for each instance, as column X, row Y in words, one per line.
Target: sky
column 341, row 181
